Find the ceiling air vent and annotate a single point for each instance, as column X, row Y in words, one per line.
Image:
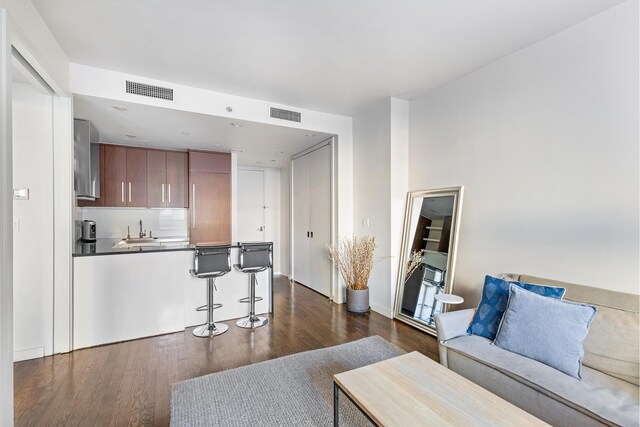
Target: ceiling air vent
column 292, row 116
column 143, row 89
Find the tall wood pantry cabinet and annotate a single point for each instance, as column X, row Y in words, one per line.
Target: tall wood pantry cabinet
column 209, row 197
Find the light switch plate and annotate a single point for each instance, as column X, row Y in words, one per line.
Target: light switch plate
column 20, row 194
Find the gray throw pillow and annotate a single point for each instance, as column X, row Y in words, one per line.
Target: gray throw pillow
column 548, row 330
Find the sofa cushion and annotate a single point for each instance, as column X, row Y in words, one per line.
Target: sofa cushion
column 545, row 329
column 495, row 295
column 613, row 343
column 598, row 395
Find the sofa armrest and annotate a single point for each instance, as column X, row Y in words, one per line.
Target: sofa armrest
column 453, row 324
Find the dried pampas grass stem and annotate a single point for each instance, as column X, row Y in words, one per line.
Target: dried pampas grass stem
column 354, row 258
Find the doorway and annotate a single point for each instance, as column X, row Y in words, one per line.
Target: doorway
column 251, row 205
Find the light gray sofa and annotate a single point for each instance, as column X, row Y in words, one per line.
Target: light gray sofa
column 608, row 393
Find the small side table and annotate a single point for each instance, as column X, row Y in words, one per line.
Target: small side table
column 449, row 299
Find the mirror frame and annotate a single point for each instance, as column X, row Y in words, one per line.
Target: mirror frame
column 457, row 193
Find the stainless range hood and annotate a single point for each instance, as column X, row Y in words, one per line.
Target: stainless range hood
column 86, row 164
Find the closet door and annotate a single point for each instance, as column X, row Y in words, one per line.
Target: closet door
column 301, row 219
column 320, row 213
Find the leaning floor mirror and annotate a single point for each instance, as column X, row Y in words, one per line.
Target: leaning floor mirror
column 428, row 256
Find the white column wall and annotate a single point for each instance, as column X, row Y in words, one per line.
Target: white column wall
column 380, row 186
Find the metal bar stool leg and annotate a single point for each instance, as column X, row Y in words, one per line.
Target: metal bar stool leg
column 252, row 321
column 210, row 329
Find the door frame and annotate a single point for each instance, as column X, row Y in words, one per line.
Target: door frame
column 6, row 227
column 335, row 294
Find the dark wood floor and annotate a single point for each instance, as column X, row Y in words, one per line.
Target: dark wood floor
column 129, row 383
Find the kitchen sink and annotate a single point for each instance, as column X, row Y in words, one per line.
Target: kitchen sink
column 135, row 242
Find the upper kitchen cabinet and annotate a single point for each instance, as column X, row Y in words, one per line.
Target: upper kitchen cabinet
column 166, row 179
column 137, row 177
column 125, row 176
column 210, row 197
column 177, row 180
column 156, row 178
column 115, row 176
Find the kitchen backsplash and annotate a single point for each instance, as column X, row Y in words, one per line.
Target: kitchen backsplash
column 113, row 222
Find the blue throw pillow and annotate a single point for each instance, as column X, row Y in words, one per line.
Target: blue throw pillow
column 495, row 295
column 545, row 329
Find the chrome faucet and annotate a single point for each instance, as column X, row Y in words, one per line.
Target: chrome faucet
column 142, row 234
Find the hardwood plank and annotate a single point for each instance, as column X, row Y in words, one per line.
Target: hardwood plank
column 130, row 382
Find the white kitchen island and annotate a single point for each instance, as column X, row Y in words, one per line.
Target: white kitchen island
column 124, row 296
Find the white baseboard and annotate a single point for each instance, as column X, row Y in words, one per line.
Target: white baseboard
column 29, row 353
column 385, row 311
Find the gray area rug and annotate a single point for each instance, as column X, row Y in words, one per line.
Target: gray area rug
column 295, row 390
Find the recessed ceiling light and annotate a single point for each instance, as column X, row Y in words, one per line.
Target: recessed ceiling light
column 310, row 135
column 119, row 108
column 279, row 153
column 184, row 132
column 259, row 163
column 273, row 160
column 130, row 136
column 236, row 124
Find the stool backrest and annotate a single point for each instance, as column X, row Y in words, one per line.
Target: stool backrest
column 256, row 255
column 212, row 261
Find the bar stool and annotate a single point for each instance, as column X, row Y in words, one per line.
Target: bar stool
column 210, row 263
column 254, row 258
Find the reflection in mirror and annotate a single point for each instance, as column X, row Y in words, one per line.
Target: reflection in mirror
column 428, row 248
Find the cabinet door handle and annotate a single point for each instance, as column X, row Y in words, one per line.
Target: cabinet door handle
column 307, row 234
column 193, row 206
column 129, row 192
column 169, row 192
column 122, row 190
column 312, row 234
column 162, row 193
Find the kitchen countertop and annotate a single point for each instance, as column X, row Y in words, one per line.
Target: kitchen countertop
column 106, row 247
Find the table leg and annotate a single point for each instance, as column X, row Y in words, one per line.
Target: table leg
column 336, row 413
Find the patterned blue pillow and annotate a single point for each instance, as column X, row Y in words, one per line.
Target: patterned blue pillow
column 495, row 295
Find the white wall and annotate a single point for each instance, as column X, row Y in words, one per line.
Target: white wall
column 285, row 220
column 379, row 172
column 545, row 142
column 33, row 223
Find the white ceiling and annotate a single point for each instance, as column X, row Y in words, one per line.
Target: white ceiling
column 263, row 145
column 330, row 55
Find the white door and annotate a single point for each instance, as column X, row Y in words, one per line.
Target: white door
column 250, row 205
column 33, row 218
column 320, row 196
column 301, row 218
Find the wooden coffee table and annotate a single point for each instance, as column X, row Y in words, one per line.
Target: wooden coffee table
column 413, row 390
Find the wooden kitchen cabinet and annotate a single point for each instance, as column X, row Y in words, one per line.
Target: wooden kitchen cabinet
column 156, row 178
column 137, row 177
column 210, row 197
column 177, row 180
column 166, row 179
column 115, row 176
